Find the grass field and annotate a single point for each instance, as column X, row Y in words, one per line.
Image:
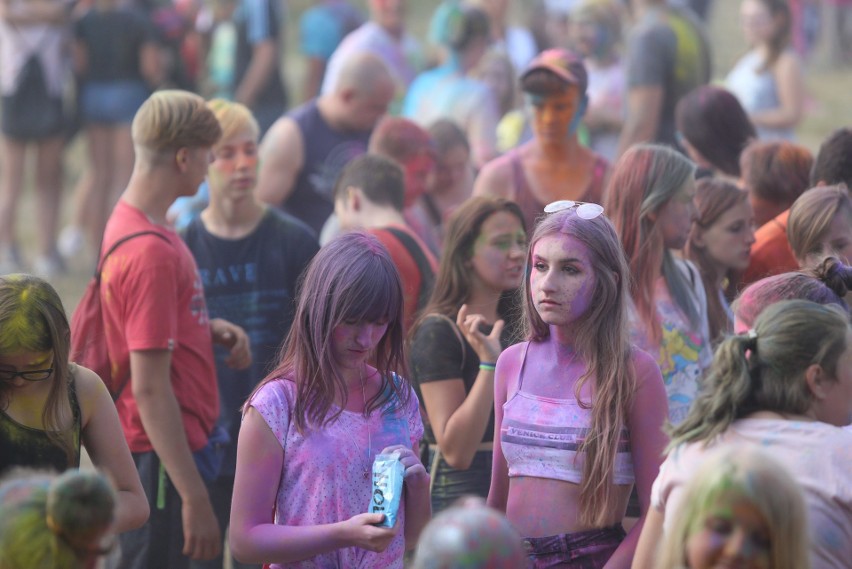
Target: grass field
column 828, row 108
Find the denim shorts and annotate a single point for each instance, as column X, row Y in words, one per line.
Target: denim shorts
column 112, row 102
column 579, row 550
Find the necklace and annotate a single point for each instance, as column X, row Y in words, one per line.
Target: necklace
column 369, row 434
column 369, row 466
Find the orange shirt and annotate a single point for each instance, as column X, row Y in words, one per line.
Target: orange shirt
column 771, row 253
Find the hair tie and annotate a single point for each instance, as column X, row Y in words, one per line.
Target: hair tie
column 751, row 340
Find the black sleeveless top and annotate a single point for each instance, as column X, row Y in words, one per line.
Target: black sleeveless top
column 327, row 151
column 25, row 446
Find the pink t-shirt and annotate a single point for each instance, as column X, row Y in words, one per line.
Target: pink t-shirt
column 818, row 457
column 322, row 480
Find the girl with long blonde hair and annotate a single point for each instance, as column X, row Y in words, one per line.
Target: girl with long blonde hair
column 579, row 410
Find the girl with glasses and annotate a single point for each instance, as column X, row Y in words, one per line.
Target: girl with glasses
column 49, row 406
column 579, row 411
column 651, row 204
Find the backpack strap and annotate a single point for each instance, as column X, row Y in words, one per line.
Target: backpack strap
column 121, row 242
column 97, row 279
column 427, row 275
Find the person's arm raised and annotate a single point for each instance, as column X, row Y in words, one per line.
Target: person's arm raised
column 282, row 156
column 161, row 419
column 459, row 420
column 254, row 538
column 104, row 441
column 645, row 420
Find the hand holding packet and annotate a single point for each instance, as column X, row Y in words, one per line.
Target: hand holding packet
column 388, row 473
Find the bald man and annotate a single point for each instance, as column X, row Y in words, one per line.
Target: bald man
column 303, row 153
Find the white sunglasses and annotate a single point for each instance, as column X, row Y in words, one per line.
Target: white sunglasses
column 585, row 210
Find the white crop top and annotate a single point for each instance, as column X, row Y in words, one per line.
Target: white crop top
column 541, row 437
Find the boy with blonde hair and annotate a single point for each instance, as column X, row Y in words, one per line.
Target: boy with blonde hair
column 159, row 335
column 249, row 256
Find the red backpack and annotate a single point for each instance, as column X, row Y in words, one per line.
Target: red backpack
column 88, row 334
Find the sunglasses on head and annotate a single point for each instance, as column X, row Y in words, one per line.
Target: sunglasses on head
column 585, row 210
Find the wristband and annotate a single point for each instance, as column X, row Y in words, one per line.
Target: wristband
column 488, row 366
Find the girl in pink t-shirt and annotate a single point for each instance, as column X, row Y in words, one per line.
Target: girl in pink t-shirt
column 313, row 427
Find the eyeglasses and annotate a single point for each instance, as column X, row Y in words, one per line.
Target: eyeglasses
column 585, row 210
column 32, row 375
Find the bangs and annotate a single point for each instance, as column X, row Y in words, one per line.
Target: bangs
column 373, row 296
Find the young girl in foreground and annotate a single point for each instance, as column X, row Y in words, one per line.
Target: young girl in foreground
column 785, row 386
column 313, row 427
column 49, row 407
column 580, row 412
column 742, row 510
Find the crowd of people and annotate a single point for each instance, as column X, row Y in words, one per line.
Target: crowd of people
column 594, row 307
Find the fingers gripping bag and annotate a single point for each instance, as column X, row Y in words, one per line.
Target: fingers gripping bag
column 388, row 472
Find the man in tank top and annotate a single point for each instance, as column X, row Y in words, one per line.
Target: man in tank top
column 304, row 151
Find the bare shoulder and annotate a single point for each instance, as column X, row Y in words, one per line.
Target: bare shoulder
column 495, row 179
column 284, row 134
column 90, row 389
column 646, row 368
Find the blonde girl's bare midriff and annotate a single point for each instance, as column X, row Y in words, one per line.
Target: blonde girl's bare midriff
column 540, row 507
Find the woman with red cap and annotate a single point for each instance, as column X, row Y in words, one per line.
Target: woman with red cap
column 553, row 165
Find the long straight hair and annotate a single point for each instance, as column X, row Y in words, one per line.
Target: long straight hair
column 766, row 371
column 454, row 281
column 351, row 279
column 644, row 180
column 32, row 318
column 603, row 342
column 713, row 197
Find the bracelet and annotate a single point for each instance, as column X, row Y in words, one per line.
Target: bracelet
column 488, row 366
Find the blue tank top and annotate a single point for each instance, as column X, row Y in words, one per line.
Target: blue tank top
column 542, row 436
column 326, row 152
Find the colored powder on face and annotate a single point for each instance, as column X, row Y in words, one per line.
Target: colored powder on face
column 20, row 333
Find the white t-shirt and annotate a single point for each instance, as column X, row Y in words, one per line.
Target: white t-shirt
column 818, row 456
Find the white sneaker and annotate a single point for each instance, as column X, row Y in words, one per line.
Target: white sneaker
column 71, row 241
